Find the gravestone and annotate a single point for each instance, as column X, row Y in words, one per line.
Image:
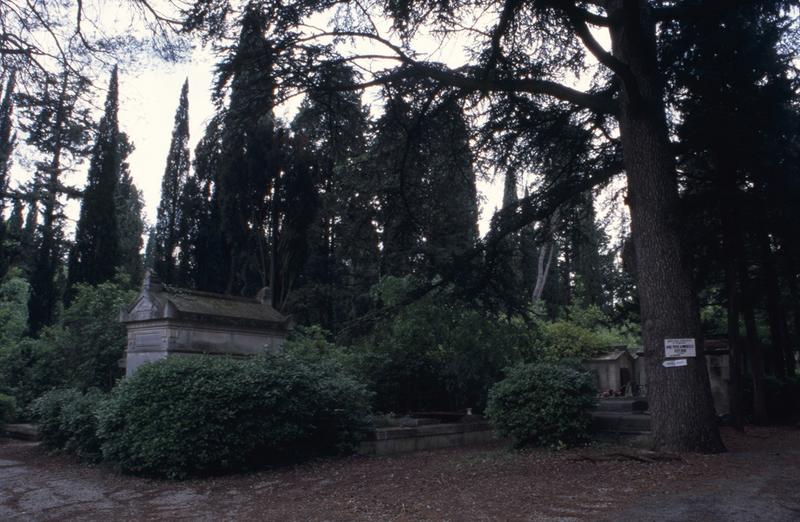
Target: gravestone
column 168, row 321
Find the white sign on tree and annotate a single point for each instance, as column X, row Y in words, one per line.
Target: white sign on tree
column 679, row 348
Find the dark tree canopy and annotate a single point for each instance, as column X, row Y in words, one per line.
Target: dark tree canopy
column 59, row 130
column 96, row 254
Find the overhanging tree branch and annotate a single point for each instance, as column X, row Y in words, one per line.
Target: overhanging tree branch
column 616, row 66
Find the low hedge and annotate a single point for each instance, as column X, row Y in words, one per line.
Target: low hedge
column 201, row 415
column 543, row 404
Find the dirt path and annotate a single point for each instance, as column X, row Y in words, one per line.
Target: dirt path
column 758, row 480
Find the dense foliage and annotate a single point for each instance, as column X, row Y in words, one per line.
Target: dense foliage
column 437, row 353
column 82, row 350
column 8, row 409
column 199, row 415
column 542, row 404
column 96, row 253
column 67, row 421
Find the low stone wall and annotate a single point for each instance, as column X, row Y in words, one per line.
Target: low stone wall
column 387, row 441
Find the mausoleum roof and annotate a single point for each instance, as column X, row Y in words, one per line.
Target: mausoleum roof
column 158, row 302
column 610, row 356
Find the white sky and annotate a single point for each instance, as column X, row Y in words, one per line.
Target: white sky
column 148, row 101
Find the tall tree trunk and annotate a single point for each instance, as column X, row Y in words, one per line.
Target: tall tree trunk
column 683, row 416
column 774, row 313
column 545, row 259
column 734, row 346
column 754, row 349
column 542, row 269
column 726, row 183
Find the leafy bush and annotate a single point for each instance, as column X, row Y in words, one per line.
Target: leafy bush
column 437, row 353
column 67, row 420
column 82, row 350
column 200, row 415
column 90, row 338
column 14, row 292
column 8, row 409
column 542, row 404
column 585, row 331
column 30, row 368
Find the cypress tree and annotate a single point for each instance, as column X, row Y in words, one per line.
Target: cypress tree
column 396, row 166
column 451, row 224
column 129, row 206
column 191, row 230
column 326, row 205
column 168, row 223
column 426, row 188
column 204, row 255
column 96, row 253
column 249, row 163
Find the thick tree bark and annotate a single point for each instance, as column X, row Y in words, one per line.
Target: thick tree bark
column 683, row 417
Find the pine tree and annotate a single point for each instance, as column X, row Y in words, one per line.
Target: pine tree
column 168, row 223
column 58, row 130
column 96, row 253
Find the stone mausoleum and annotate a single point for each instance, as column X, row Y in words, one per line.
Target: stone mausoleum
column 165, row 321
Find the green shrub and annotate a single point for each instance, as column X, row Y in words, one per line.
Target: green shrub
column 67, row 421
column 8, row 409
column 82, row 350
column 584, row 331
column 201, row 415
column 542, row 404
column 14, row 293
column 437, row 353
column 30, row 368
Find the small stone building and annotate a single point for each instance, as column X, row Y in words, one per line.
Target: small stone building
column 717, row 357
column 615, row 371
column 164, row 321
column 719, row 373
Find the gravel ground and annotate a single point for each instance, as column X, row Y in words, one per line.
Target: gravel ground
column 758, row 479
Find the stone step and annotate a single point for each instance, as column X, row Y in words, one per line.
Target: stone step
column 387, row 441
column 621, row 405
column 22, row 431
column 617, row 422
